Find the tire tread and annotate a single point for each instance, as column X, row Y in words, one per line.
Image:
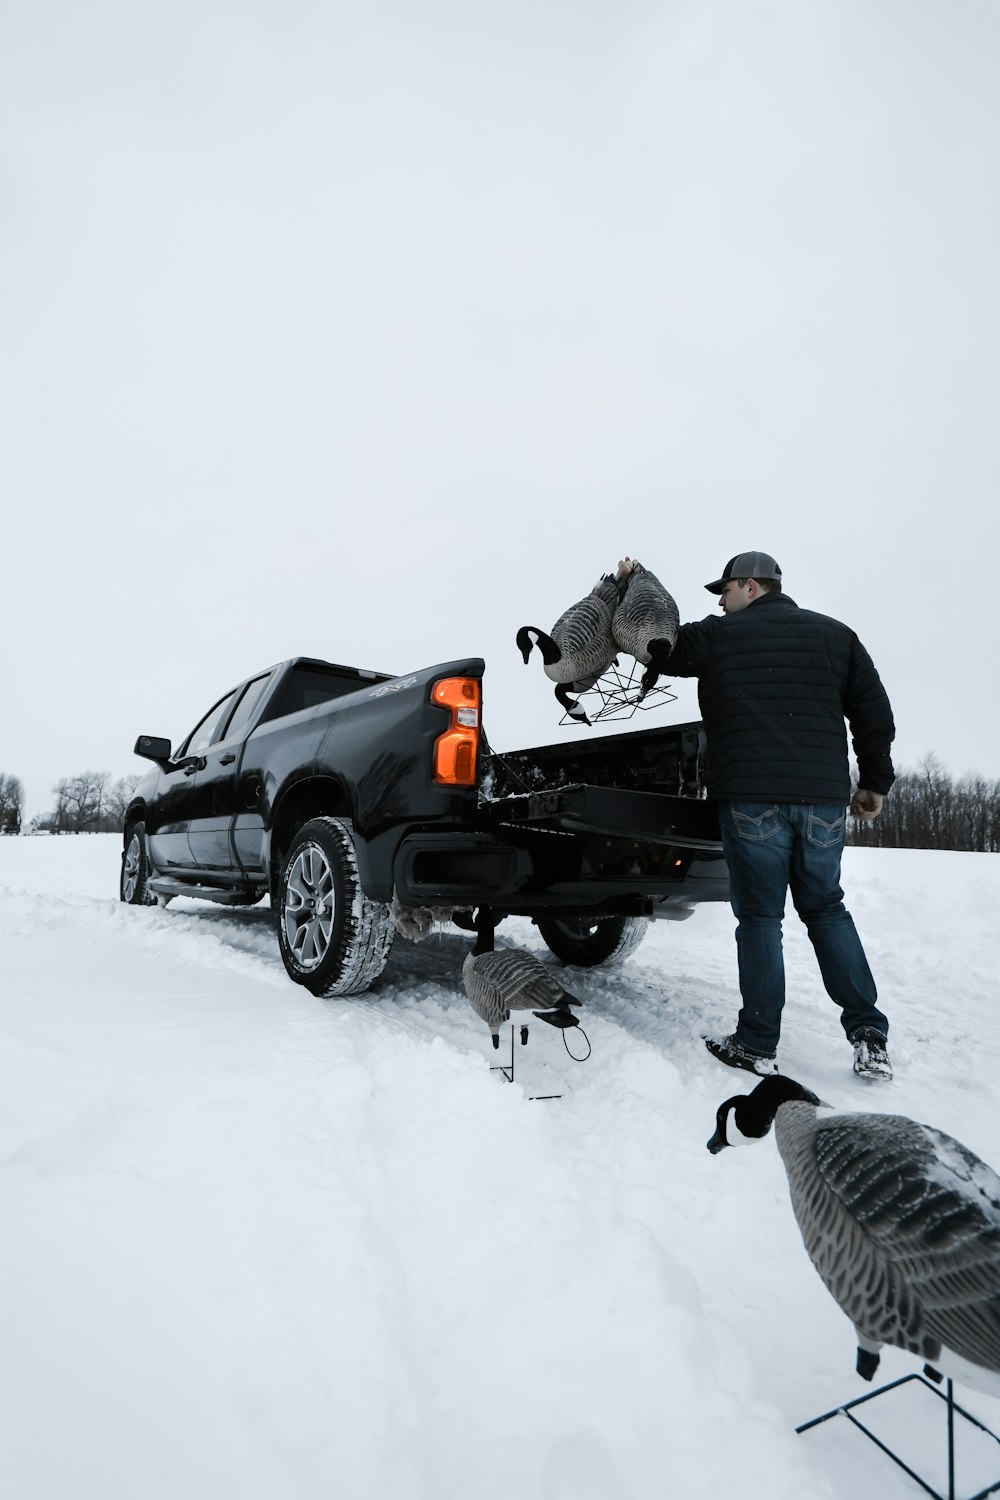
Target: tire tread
column 368, row 927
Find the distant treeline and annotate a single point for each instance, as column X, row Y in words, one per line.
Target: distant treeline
column 927, row 810
column 89, row 803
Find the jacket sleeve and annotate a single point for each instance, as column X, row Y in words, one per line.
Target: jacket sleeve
column 867, row 710
column 692, row 648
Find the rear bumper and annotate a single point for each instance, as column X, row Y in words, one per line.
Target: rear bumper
column 549, row 868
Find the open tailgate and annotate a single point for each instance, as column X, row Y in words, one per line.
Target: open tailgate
column 650, row 816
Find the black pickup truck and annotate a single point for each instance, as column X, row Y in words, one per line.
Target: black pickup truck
column 361, row 802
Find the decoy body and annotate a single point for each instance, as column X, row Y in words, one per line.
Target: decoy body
column 511, row 979
column 580, row 647
column 901, row 1221
column 646, row 622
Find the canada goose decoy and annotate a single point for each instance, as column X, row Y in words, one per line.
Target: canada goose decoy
column 512, row 979
column 580, row 648
column 646, row 622
column 901, row 1221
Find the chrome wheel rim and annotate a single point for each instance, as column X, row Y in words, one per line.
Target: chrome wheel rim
column 310, row 907
column 130, row 868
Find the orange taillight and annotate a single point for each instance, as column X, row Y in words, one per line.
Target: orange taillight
column 456, row 750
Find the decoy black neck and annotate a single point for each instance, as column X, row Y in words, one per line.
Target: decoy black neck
column 485, row 929
column 755, row 1112
column 546, row 645
column 571, row 705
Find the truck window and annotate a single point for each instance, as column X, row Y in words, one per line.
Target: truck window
column 308, row 686
column 244, row 709
column 199, row 739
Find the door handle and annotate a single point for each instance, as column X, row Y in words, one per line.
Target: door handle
column 226, row 760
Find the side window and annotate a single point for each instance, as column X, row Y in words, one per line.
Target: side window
column 201, row 738
column 244, row 709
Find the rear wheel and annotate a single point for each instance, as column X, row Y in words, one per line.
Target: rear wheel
column 587, row 942
column 132, row 887
column 333, row 939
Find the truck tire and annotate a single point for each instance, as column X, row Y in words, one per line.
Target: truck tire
column 333, row 939
column 587, row 943
column 135, row 869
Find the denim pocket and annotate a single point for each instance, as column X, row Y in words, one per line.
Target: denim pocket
column 826, row 832
column 753, row 825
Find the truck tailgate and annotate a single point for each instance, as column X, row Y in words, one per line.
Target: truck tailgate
column 651, row 816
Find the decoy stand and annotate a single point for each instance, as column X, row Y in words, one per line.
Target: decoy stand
column 508, row 1071
column 558, row 1018
column 928, row 1376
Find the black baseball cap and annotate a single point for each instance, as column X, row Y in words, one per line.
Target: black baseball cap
column 747, row 565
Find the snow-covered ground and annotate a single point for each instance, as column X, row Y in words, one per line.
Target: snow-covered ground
column 258, row 1245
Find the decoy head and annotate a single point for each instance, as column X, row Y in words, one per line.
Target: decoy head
column 546, row 645
column 748, row 1117
column 572, row 707
column 650, row 678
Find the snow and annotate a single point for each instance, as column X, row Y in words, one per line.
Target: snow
column 258, row 1245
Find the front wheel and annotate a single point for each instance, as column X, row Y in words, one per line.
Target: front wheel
column 333, row 939
column 133, row 884
column 587, row 942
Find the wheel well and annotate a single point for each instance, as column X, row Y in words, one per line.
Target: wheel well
column 318, row 797
column 136, row 814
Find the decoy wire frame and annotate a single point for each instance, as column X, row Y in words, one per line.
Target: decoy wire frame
column 929, row 1374
column 616, row 695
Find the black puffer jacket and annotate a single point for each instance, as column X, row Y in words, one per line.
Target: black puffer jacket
column 775, row 684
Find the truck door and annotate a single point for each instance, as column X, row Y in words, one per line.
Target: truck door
column 216, row 804
column 170, row 846
column 170, row 819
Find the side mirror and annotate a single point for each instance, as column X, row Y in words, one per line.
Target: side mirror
column 152, row 748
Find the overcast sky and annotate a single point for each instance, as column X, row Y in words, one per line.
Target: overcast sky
column 375, row 331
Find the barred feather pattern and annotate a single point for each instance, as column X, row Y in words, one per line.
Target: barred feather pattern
column 902, row 1222
column 583, row 635
column 510, row 979
column 647, row 612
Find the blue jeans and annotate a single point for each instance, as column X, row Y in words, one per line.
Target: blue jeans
column 771, row 848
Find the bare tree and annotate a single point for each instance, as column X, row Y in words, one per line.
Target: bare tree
column 80, row 802
column 117, row 800
column 11, row 803
column 90, row 803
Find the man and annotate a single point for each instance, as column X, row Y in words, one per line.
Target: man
column 775, row 684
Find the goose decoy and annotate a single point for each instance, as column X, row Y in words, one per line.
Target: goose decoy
column 646, row 622
column 580, row 648
column 901, row 1221
column 512, row 979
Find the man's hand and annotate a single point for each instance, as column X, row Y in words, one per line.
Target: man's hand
column 866, row 805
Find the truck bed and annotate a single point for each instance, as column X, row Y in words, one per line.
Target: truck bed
column 611, row 826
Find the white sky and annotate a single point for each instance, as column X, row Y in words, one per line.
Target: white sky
column 374, row 332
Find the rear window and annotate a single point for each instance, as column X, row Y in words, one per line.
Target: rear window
column 308, row 686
